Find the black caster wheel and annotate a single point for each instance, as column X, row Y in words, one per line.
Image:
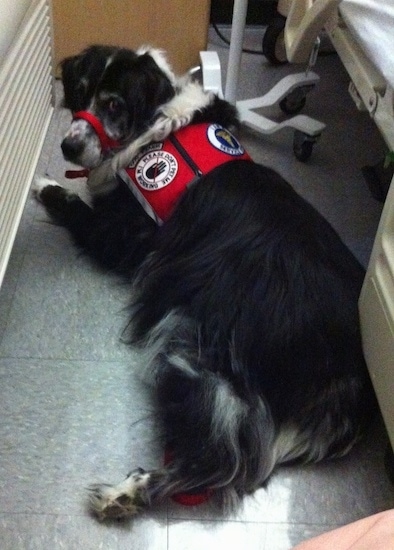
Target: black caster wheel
column 295, row 101
column 303, row 145
column 292, row 106
column 274, row 43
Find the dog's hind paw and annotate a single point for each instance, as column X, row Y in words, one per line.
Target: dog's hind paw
column 119, row 501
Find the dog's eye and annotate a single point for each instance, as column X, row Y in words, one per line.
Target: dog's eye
column 114, row 106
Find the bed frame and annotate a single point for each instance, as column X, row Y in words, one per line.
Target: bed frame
column 371, row 92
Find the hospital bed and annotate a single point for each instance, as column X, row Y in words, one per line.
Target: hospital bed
column 362, row 32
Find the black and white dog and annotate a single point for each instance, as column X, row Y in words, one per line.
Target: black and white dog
column 245, row 298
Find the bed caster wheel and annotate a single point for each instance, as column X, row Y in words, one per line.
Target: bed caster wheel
column 274, row 41
column 303, row 145
column 292, row 106
column 295, row 101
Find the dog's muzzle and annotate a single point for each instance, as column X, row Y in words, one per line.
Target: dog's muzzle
column 106, row 142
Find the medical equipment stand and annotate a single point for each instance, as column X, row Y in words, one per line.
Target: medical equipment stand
column 290, row 93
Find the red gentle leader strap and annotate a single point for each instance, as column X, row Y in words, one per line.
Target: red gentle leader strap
column 106, row 142
column 74, row 174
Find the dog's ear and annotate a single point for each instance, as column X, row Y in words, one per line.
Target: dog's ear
column 81, row 74
column 158, row 83
column 72, row 84
column 160, row 58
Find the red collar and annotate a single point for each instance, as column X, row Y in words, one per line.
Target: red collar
column 106, row 142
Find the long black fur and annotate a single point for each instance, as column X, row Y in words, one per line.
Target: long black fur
column 259, row 297
column 115, row 231
column 246, row 304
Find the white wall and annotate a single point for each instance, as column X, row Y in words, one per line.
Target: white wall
column 11, row 16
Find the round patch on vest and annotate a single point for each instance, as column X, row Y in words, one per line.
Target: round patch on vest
column 155, row 170
column 224, row 140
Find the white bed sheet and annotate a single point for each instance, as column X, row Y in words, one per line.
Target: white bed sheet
column 372, row 25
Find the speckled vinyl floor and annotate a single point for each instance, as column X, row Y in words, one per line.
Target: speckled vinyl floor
column 73, row 409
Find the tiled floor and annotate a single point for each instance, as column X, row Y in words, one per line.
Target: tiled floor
column 73, row 409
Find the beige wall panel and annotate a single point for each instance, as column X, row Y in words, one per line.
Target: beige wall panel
column 178, row 26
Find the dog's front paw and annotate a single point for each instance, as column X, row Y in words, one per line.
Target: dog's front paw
column 39, row 184
column 119, row 501
column 54, row 197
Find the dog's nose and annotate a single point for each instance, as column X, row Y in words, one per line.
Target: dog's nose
column 71, row 148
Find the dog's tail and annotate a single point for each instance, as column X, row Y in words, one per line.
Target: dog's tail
column 218, row 438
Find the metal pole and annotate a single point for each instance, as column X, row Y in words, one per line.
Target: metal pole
column 236, row 42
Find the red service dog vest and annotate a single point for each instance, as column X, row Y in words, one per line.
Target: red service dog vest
column 160, row 173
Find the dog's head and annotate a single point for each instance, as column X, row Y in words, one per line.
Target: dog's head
column 121, row 88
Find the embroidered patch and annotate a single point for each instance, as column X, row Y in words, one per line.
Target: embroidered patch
column 224, row 140
column 156, row 146
column 155, row 170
